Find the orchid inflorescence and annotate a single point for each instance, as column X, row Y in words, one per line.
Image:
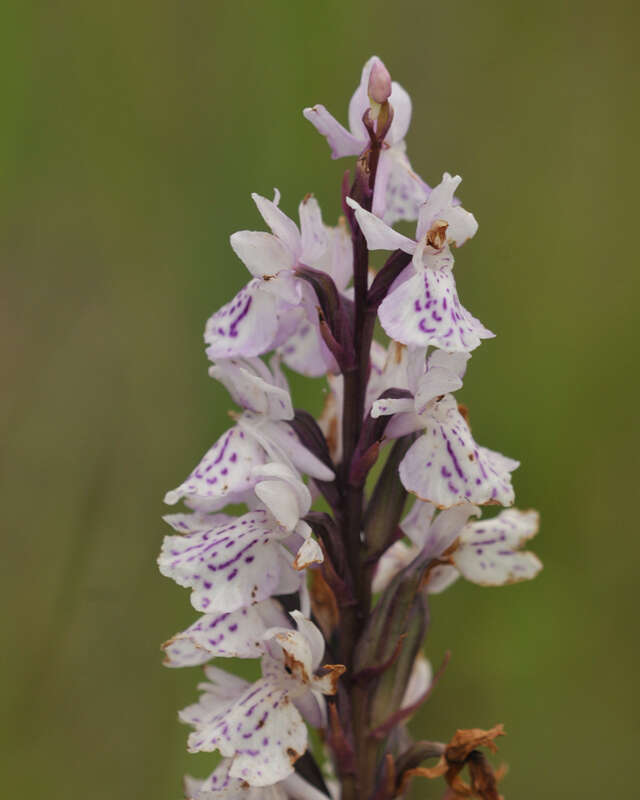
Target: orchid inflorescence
column 334, row 603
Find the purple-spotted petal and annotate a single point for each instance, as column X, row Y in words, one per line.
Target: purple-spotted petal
column 261, row 731
column 489, row 551
column 390, row 405
column 221, row 689
column 220, row 785
column 225, row 473
column 425, row 310
column 231, row 566
column 246, row 326
column 196, row 521
column 340, row 140
column 446, row 467
column 230, row 635
column 305, row 352
column 403, row 192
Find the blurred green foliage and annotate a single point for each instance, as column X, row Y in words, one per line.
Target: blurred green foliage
column 131, row 137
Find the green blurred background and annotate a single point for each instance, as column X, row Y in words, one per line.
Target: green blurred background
column 131, row 137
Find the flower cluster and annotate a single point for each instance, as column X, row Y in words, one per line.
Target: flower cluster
column 334, row 604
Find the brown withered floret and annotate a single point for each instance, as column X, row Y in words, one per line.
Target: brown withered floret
column 463, row 751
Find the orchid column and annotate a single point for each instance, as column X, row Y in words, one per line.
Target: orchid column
column 334, row 603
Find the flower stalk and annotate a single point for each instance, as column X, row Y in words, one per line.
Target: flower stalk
column 334, row 604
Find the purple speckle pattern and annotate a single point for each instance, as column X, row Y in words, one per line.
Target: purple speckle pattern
column 305, row 352
column 425, row 310
column 446, row 467
column 224, row 474
column 264, row 712
column 230, row 635
column 246, row 326
column 216, row 563
column 489, row 551
column 405, row 191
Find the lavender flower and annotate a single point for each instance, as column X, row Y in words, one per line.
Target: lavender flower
column 334, row 604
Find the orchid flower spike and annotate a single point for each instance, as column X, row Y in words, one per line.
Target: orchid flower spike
column 291, row 585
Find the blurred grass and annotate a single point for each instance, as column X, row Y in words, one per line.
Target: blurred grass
column 132, row 136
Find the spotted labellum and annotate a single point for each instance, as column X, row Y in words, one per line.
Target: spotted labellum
column 322, row 571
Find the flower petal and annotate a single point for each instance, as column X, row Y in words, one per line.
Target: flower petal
column 231, row 635
column 341, row 141
column 309, row 553
column 390, row 405
column 305, row 352
column 435, row 382
column 378, row 234
column 339, row 263
column 419, row 681
column 221, row 785
column 314, row 232
column 441, row 204
column 404, row 191
column 225, row 473
column 196, row 521
column 284, row 437
column 264, row 733
column 281, row 500
column 425, row 310
column 395, row 558
column 441, row 578
column 446, row 467
column 246, row 326
column 314, row 637
column 231, row 566
column 401, row 104
column 262, row 253
column 489, row 554
column 249, row 390
column 454, row 362
column 284, row 228
column 417, row 523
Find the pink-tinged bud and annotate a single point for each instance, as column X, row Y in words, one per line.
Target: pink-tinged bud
column 379, row 89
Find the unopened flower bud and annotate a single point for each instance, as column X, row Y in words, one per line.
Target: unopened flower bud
column 379, row 89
